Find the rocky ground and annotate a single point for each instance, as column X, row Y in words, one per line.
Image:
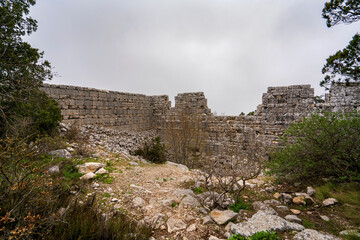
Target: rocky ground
column 163, row 196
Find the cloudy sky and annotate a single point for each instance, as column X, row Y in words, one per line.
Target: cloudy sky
column 231, row 50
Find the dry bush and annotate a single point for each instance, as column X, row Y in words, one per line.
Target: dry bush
column 27, row 195
column 73, row 134
column 224, row 176
column 186, row 139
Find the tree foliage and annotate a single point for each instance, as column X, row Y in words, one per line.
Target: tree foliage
column 322, row 146
column 22, row 70
column 343, row 66
column 341, row 11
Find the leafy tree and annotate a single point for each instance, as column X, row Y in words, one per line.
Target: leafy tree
column 22, row 70
column 322, row 146
column 341, row 11
column 343, row 66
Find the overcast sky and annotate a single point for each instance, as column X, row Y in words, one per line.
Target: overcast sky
column 231, row 50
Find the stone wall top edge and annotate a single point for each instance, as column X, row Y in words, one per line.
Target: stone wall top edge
column 69, row 87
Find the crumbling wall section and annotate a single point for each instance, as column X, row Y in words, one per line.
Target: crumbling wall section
column 123, row 111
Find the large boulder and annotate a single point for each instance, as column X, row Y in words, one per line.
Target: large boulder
column 263, row 221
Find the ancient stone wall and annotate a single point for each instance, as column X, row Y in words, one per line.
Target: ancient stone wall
column 280, row 107
column 124, row 111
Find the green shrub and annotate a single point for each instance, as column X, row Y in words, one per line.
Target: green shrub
column 322, row 146
column 263, row 235
column 154, row 152
column 30, row 117
column 198, row 190
column 238, row 205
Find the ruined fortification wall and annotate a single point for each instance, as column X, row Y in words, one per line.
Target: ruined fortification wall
column 124, row 111
column 280, row 107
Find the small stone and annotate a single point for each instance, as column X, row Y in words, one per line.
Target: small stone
column 299, row 200
column 61, row 153
column 282, row 208
column 54, row 170
column 191, row 228
column 189, row 202
column 101, row 171
column 325, row 218
column 269, row 189
column 223, row 217
column 114, row 200
column 313, row 234
column 89, row 167
column 286, row 198
column 138, row 202
column 277, row 195
column 272, row 202
column 329, row 201
column 310, row 191
column 96, row 185
column 174, row 224
column 133, row 164
column 350, row 232
column 207, row 220
column 295, row 211
column 87, row 176
column 293, row 218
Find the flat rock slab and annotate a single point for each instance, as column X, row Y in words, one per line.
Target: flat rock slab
column 263, row 221
column 88, row 176
column 189, row 202
column 223, row 217
column 310, row 234
column 178, row 194
column 89, row 167
column 293, row 218
column 329, row 201
column 138, row 202
column 174, row 224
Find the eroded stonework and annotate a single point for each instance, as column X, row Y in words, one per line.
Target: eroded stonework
column 136, row 112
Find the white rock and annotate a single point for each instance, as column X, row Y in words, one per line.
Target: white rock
column 114, row 200
column 310, row 191
column 178, row 194
column 54, row 169
column 293, row 218
column 349, row 232
column 87, row 176
column 262, row 221
column 61, row 153
column 181, row 166
column 189, row 202
column 89, row 167
column 222, row 217
column 310, row 234
column 138, row 202
column 191, row 228
column 325, row 218
column 329, row 201
column 133, row 164
column 174, row 224
column 101, row 171
column 207, row 220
